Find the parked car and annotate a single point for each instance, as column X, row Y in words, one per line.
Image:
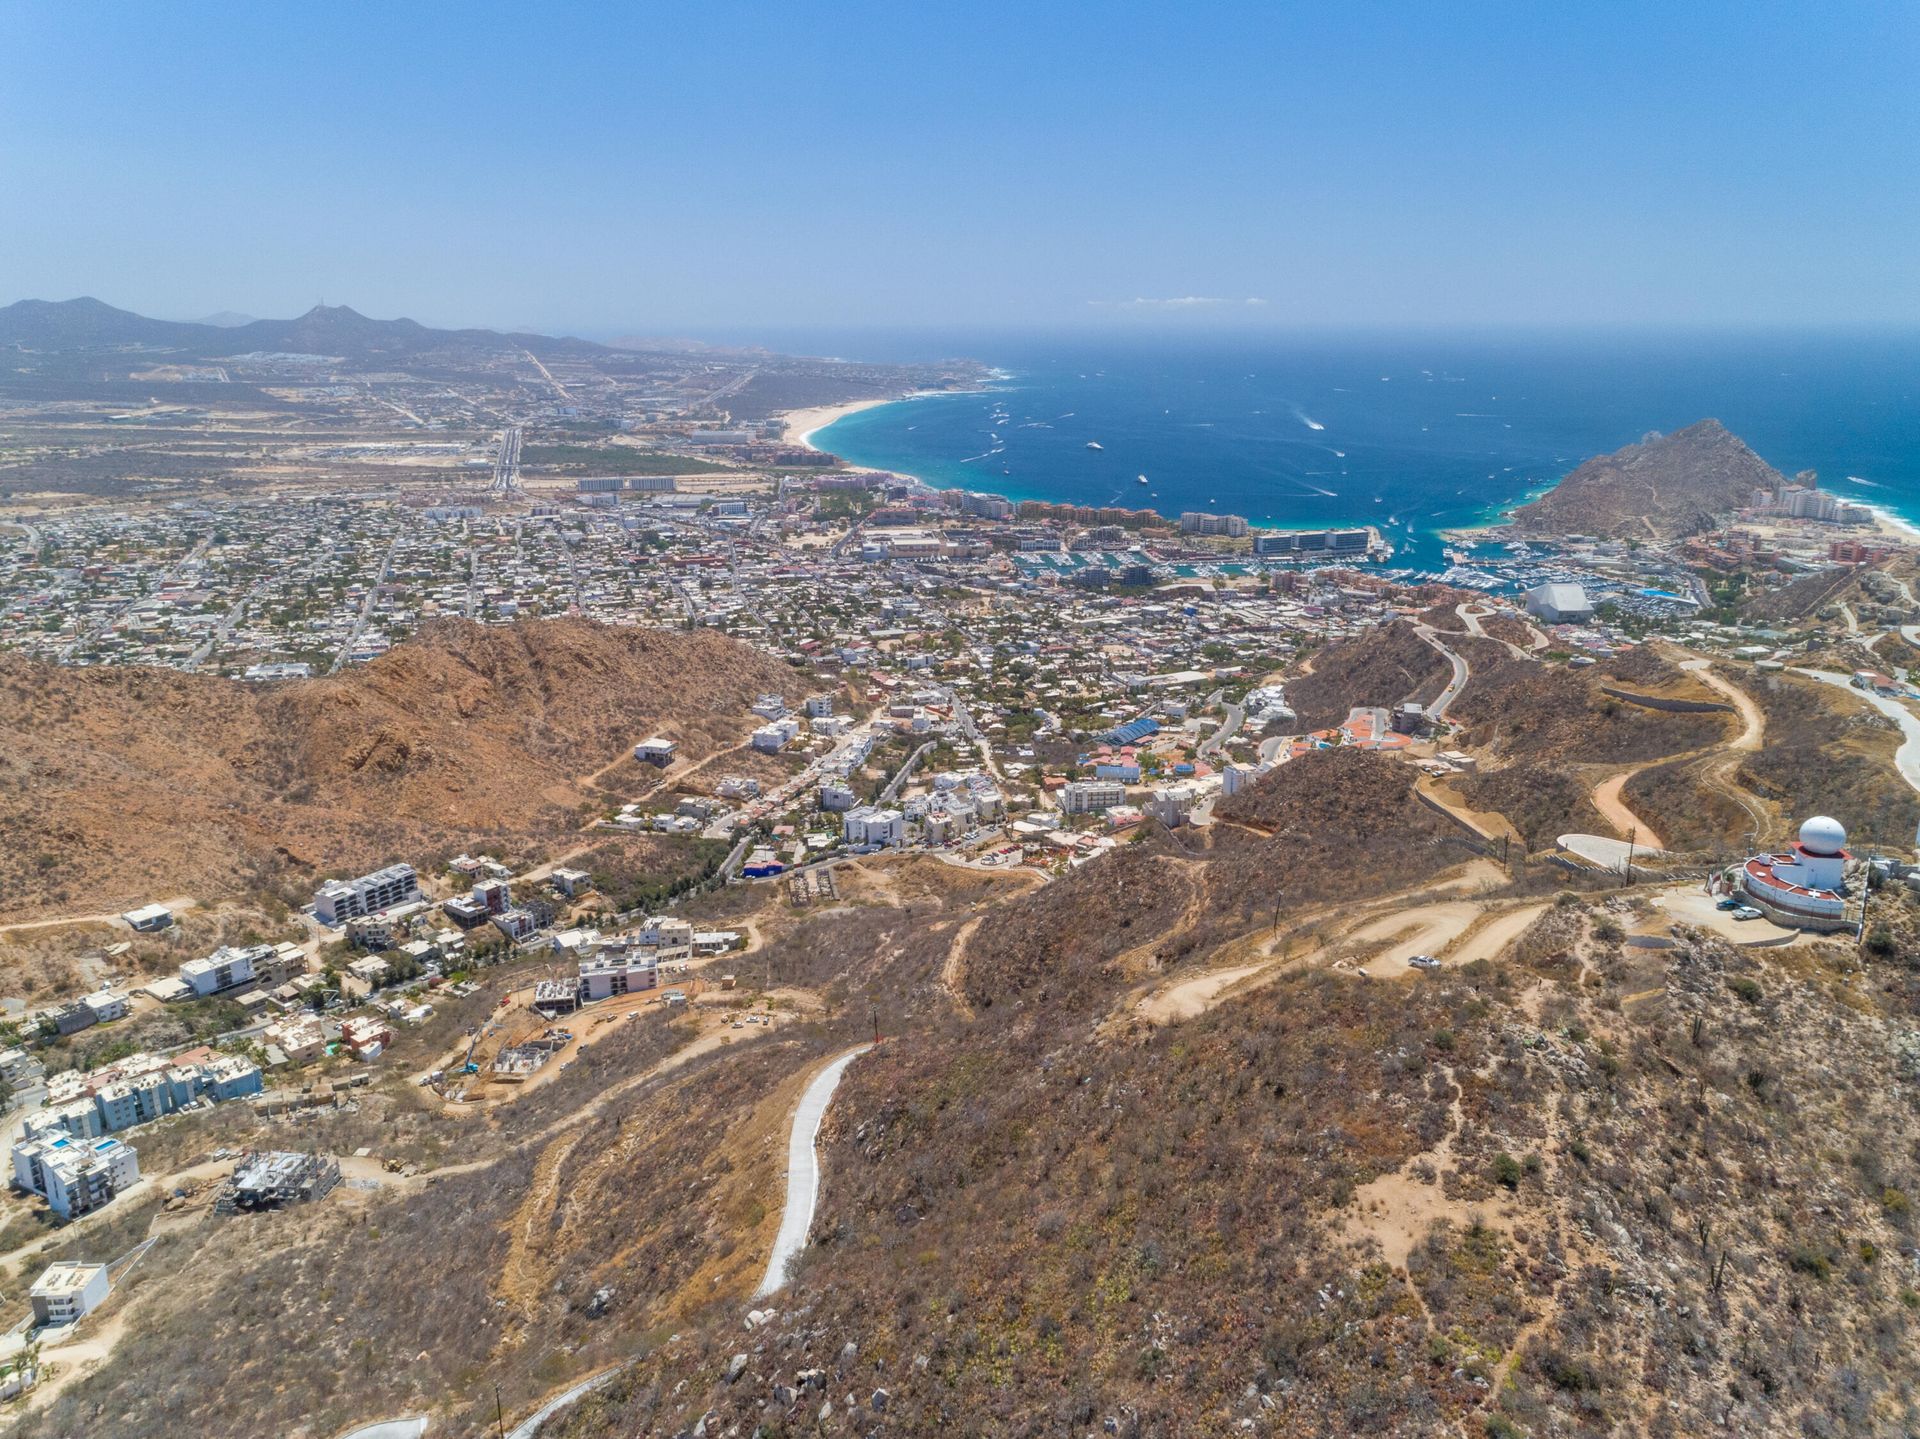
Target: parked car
column 1424, row 961
column 1747, row 911
column 1730, row 902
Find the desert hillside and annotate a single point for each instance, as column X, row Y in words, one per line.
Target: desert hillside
column 1664, row 487
column 1381, row 667
column 130, row 784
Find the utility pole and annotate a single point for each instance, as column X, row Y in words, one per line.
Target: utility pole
column 1626, row 873
column 499, row 1419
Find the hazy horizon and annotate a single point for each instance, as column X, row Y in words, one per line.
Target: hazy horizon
column 730, row 170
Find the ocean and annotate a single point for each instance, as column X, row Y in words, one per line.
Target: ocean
column 1412, row 434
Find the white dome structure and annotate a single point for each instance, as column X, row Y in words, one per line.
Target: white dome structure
column 1823, row 835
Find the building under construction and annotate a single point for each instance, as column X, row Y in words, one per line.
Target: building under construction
column 273, row 1178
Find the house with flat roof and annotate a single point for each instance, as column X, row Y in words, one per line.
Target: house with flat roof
column 68, row 1291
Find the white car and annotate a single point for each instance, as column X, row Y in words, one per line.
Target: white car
column 1424, row 961
column 1747, row 911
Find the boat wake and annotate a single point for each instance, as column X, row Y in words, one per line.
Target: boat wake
column 1870, row 484
column 1304, row 418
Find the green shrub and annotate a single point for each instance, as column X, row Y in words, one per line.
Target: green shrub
column 1805, row 1259
column 1506, row 1170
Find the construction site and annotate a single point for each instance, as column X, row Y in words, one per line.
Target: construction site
column 274, row 1178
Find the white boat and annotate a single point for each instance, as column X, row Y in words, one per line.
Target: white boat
column 1095, row 445
column 1142, row 479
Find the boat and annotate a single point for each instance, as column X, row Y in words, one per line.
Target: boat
column 1095, row 445
column 1142, row 479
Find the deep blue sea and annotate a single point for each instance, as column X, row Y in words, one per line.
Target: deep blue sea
column 1410, row 434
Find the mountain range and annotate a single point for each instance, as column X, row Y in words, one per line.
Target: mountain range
column 90, row 324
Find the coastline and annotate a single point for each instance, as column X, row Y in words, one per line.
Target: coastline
column 802, row 425
column 1494, row 523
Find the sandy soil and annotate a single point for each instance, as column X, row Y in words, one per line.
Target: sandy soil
column 801, row 424
column 1613, row 809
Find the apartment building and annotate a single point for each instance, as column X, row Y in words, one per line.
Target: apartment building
column 618, row 971
column 1091, row 796
column 74, row 1176
column 869, row 826
column 226, row 968
column 339, row 900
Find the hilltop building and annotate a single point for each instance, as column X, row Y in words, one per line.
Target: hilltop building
column 68, row 1291
column 1806, row 887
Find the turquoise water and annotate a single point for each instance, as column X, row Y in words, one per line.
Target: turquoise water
column 1411, row 435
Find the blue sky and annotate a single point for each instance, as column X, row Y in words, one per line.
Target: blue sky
column 715, row 167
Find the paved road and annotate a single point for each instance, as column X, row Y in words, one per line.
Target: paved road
column 530, row 1426
column 803, row 1172
column 1461, row 674
column 1236, row 715
column 366, row 607
column 1906, row 759
column 506, row 464
column 1604, row 850
column 905, row 772
column 391, row 1429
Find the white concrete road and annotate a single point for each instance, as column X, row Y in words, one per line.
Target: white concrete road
column 803, row 1172
column 1906, row 759
column 530, row 1426
column 1604, row 850
column 390, row 1429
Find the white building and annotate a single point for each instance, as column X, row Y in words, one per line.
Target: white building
column 837, row 798
column 105, row 1005
column 623, row 971
column 74, row 1176
column 225, row 968
column 819, row 706
column 67, row 1291
column 1559, row 604
column 339, row 900
column 1236, row 777
column 1804, row 888
column 866, row 825
column 776, row 736
column 655, row 751
column 1090, row 796
column 148, row 917
column 1171, row 804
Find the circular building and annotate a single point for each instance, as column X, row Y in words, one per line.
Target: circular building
column 1806, row 887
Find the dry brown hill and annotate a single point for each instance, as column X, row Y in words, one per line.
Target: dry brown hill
column 1519, row 709
column 1381, row 667
column 123, row 784
column 1583, row 1188
column 1664, row 487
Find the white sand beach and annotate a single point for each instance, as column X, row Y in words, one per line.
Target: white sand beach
column 802, row 424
